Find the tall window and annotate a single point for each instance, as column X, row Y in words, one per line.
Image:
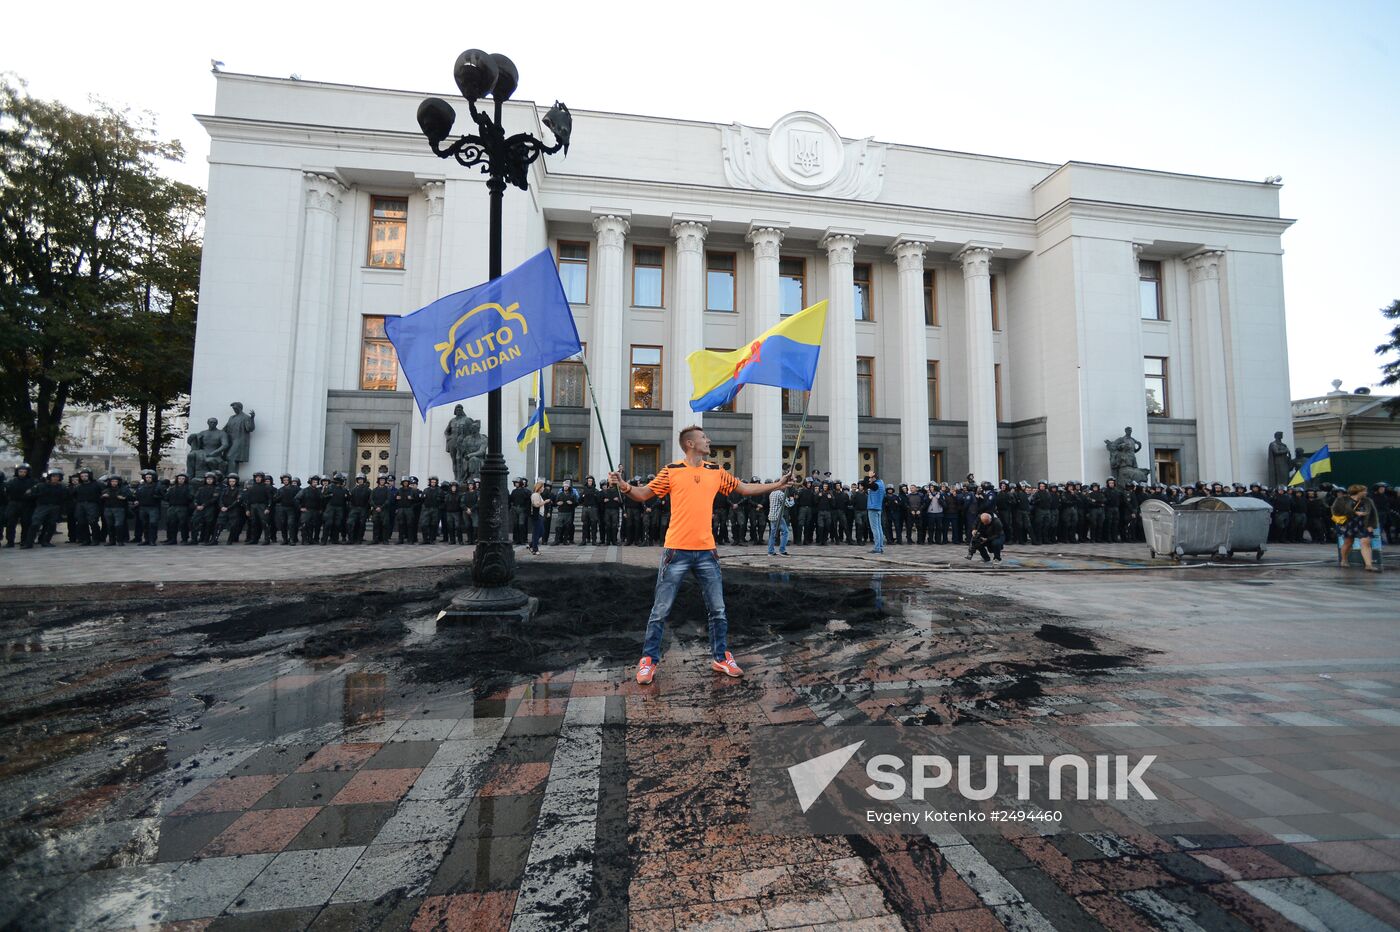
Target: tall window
column 646, row 377
column 1150, row 289
column 573, row 271
column 793, row 400
column 647, row 275
column 930, row 300
column 1001, row 464
column 865, row 386
column 792, row 285
column 379, row 368
column 567, row 378
column 996, row 377
column 97, row 436
column 728, row 405
column 388, row 232
column 864, row 309
column 933, row 389
column 565, row 461
column 996, row 307
column 719, row 281
column 935, row 465
column 1154, row 369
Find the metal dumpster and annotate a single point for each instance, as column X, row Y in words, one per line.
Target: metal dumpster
column 1219, row 526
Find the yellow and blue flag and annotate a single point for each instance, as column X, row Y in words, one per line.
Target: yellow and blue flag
column 538, row 422
column 785, row 356
column 1317, row 464
column 474, row 341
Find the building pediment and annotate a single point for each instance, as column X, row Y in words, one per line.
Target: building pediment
column 803, row 154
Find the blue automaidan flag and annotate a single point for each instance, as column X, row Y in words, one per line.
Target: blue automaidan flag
column 471, row 342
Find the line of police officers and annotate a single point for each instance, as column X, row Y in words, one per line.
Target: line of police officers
column 821, row 511
column 224, row 509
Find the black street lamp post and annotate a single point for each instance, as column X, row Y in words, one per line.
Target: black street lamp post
column 503, row 159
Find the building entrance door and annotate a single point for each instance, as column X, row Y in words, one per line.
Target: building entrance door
column 373, row 457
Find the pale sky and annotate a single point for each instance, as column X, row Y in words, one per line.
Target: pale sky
column 1309, row 91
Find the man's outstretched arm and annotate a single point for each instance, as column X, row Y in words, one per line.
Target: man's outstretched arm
column 639, row 493
column 757, row 488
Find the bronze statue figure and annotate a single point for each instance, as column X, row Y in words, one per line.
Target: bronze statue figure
column 238, row 428
column 1280, row 461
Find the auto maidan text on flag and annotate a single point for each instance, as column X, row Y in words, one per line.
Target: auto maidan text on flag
column 473, row 341
column 1317, row 464
column 538, row 422
column 784, row 356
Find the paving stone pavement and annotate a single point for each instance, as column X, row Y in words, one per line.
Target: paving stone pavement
column 579, row 800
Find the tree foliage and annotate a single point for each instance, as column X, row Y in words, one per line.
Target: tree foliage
column 94, row 247
column 1390, row 368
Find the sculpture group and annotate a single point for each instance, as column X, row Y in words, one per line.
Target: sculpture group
column 216, row 449
column 466, row 445
column 1122, row 458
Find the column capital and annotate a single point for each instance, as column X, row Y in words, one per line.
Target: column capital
column 611, row 229
column 1205, row 265
column 322, row 192
column 435, row 192
column 766, row 239
column 908, row 254
column 689, row 234
column 976, row 260
column 840, row 244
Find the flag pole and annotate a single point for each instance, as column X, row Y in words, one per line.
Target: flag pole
column 797, row 444
column 599, row 415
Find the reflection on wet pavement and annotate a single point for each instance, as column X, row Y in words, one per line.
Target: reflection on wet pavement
column 326, row 758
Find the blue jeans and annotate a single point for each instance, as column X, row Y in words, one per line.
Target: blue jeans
column 774, row 530
column 674, row 566
column 877, row 528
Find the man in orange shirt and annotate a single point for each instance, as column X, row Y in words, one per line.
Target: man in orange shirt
column 692, row 483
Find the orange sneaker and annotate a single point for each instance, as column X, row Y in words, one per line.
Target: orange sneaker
column 726, row 666
column 646, row 669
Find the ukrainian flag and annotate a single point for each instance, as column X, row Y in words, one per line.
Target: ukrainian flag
column 1320, row 462
column 784, row 356
column 538, row 422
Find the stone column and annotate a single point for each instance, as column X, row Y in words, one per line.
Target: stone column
column 1208, row 352
column 839, row 353
column 981, row 376
column 306, row 423
column 687, row 319
column 912, row 362
column 766, row 404
column 607, row 361
column 428, row 456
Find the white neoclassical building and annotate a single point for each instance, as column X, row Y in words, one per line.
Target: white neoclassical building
column 988, row 315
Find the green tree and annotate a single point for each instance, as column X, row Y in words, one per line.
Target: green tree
column 82, row 205
column 1390, row 369
column 157, row 338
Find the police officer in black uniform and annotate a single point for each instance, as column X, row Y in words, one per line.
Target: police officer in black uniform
column 471, row 510
column 19, row 507
column 113, row 500
column 288, row 517
column 311, row 505
column 404, row 499
column 337, row 498
column 257, row 501
column 381, row 501
column 452, row 514
column 179, row 498
column 588, row 510
column 85, row 526
column 430, row 511
column 230, row 513
column 148, row 497
column 610, row 513
column 519, row 510
column 47, row 501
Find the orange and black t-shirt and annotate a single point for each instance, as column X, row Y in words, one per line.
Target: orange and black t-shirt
column 692, row 490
